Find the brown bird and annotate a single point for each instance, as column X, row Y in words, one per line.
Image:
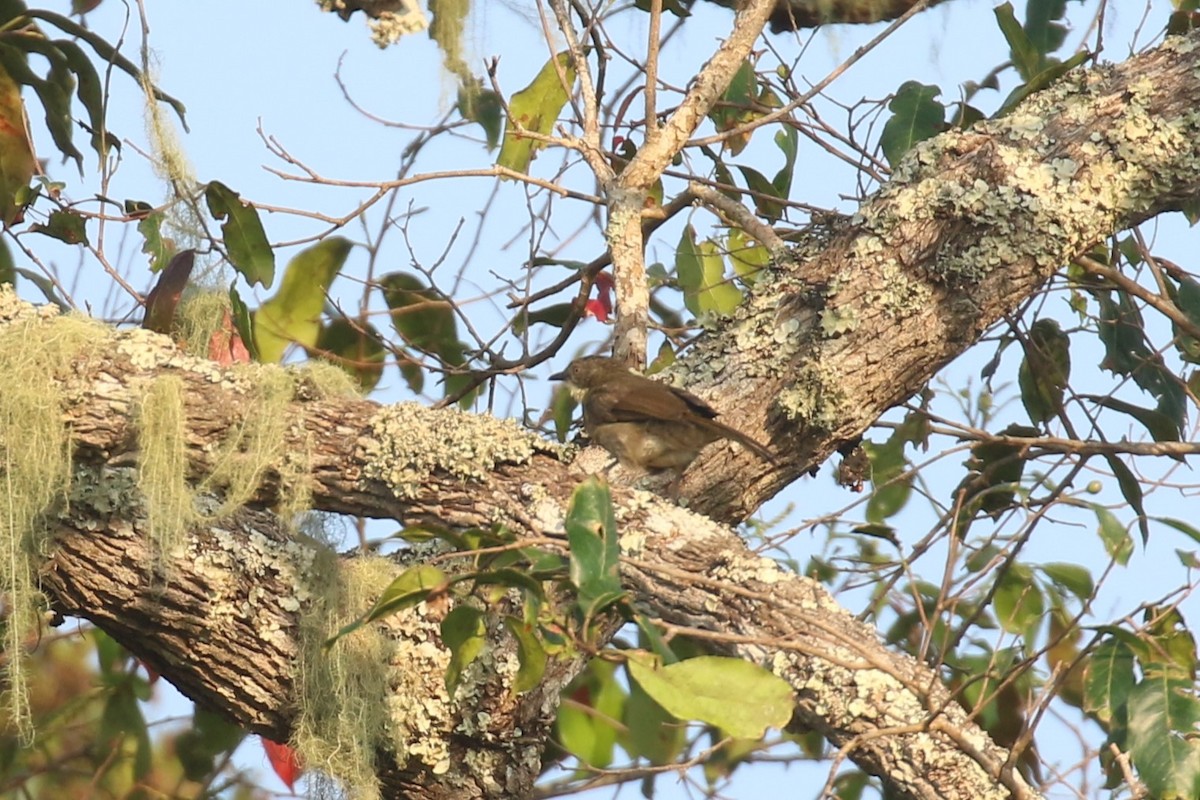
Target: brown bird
column 646, row 424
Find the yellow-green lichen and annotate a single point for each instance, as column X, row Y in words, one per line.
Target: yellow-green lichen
column 410, row 443
column 343, row 719
column 815, row 397
column 162, row 463
column 36, row 349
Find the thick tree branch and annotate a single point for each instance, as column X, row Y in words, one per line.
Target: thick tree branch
column 972, row 224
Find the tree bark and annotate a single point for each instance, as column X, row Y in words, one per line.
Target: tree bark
column 970, row 225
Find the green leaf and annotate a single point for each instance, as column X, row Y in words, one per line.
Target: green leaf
column 243, row 322
column 245, row 240
column 591, row 525
column 1117, row 541
column 1045, row 370
column 66, row 226
column 535, row 108
column 107, row 53
column 735, row 107
column 788, row 141
column 701, row 274
column 890, row 492
column 650, row 731
column 1181, row 526
column 916, row 116
column 1040, row 81
column 588, row 714
column 530, row 654
column 122, row 720
column 1019, row 602
column 210, row 736
column 1108, row 679
column 1161, row 427
column 701, row 689
column 90, row 92
column 159, row 250
column 483, row 106
column 294, row 313
column 1025, row 54
column 1172, row 648
column 1163, row 714
column 355, row 347
column 1187, row 299
column 1127, row 353
column 1074, row 578
column 767, row 198
column 463, row 633
column 1131, row 490
column 748, row 257
column 408, row 589
column 423, row 316
column 1042, row 25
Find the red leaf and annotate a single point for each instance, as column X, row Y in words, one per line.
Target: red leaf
column 602, row 305
column 225, row 346
column 284, row 761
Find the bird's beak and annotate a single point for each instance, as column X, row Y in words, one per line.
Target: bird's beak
column 559, row 376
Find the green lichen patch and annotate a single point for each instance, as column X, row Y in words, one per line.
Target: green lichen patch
column 411, row 442
column 815, row 398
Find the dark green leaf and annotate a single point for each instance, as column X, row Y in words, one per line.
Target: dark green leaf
column 245, row 240
column 591, row 525
column 66, row 226
column 1163, row 714
column 1045, row 370
column 423, row 316
column 1131, row 490
column 483, row 106
column 1043, row 79
column 530, row 654
column 1046, row 33
column 766, row 196
column 463, row 633
column 916, row 116
column 243, row 323
column 1108, row 679
column 1025, row 54
column 1074, row 578
column 410, row 587
column 107, row 53
column 1161, row 428
column 355, row 347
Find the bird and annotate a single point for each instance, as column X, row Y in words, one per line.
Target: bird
column 647, row 425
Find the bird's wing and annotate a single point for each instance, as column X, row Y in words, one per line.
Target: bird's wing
column 619, row 404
